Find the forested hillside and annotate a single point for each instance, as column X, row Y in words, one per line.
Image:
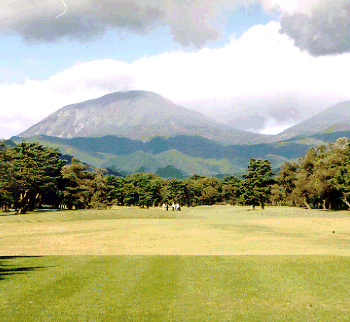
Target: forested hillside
column 187, row 154
column 33, row 176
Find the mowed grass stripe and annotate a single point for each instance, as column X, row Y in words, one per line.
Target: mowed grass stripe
column 304, row 286
column 58, row 286
column 154, row 292
column 89, row 288
column 175, row 288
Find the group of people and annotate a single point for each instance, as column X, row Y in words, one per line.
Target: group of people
column 175, row 206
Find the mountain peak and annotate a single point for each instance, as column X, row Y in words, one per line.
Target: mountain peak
column 128, row 95
column 137, row 115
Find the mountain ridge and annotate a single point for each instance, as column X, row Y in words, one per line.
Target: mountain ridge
column 333, row 119
column 138, row 115
column 188, row 154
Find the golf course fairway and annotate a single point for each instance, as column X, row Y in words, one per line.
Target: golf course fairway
column 218, row 263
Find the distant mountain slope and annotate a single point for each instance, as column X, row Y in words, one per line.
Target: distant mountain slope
column 133, row 162
column 170, row 172
column 137, row 115
column 331, row 137
column 91, row 157
column 255, row 115
column 333, row 119
column 193, row 146
column 10, row 143
column 189, row 154
column 185, row 164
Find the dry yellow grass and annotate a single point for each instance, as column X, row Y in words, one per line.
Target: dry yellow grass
column 217, row 230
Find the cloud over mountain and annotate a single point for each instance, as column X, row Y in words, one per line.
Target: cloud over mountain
column 190, row 22
column 320, row 27
column 324, row 30
column 261, row 66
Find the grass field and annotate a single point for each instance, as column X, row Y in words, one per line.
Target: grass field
column 130, row 264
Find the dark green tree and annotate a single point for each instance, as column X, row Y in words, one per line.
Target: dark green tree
column 230, row 189
column 341, row 177
column 33, row 168
column 305, row 190
column 177, row 191
column 78, row 185
column 142, row 189
column 115, row 190
column 194, row 189
column 147, row 191
column 281, row 191
column 98, row 187
column 5, row 178
column 314, row 184
column 342, row 181
column 210, row 190
column 257, row 183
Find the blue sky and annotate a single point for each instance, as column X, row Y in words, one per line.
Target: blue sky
column 39, row 61
column 193, row 52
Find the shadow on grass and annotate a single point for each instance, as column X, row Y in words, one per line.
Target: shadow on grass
column 36, row 211
column 333, row 210
column 7, row 213
column 7, row 269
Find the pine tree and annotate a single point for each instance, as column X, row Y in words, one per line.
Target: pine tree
column 33, row 168
column 177, row 191
column 257, row 183
column 5, row 193
column 82, row 188
column 281, row 191
column 231, row 189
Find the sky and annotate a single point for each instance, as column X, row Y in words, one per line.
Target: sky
column 219, row 57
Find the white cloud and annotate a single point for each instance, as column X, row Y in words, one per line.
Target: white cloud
column 273, row 127
column 190, row 21
column 35, row 99
column 320, row 27
column 305, row 7
column 262, row 64
column 291, row 7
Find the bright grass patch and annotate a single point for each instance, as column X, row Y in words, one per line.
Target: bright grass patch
column 217, row 230
column 175, row 288
column 150, row 265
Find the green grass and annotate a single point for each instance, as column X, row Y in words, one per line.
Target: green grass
column 61, row 216
column 175, row 288
column 150, row 265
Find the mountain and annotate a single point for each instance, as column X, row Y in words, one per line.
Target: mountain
column 9, row 143
column 168, row 162
column 89, row 156
column 187, row 154
column 258, row 114
column 137, row 115
column 334, row 119
column 105, row 148
column 133, row 162
column 170, row 172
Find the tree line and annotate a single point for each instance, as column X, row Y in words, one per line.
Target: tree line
column 320, row 179
column 33, row 176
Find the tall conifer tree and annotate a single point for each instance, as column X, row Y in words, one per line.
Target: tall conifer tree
column 257, row 183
